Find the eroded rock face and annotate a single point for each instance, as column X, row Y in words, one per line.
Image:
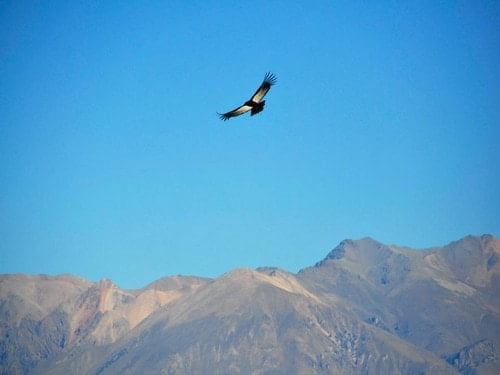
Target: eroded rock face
column 43, row 316
column 366, row 308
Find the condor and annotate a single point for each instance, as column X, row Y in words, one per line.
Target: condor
column 255, row 104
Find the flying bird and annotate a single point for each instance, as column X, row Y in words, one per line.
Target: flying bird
column 255, row 104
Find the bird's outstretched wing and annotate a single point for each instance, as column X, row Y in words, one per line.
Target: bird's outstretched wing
column 269, row 80
column 235, row 112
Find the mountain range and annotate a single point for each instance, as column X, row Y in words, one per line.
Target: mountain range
column 366, row 308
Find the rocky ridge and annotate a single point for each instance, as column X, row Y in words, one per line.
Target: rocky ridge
column 366, row 308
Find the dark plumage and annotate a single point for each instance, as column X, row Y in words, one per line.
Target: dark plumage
column 255, row 104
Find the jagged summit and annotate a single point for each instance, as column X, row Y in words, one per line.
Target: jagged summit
column 366, row 307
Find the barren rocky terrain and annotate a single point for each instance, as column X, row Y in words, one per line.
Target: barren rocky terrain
column 366, row 308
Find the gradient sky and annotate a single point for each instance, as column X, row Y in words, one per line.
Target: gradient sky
column 385, row 122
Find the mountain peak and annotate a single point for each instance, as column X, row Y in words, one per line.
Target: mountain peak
column 351, row 249
column 367, row 307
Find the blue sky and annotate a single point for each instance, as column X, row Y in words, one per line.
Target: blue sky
column 385, row 122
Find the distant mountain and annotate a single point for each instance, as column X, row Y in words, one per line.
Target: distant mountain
column 367, row 308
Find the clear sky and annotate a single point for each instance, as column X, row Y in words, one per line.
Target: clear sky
column 385, row 122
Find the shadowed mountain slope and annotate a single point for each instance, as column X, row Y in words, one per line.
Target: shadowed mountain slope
column 367, row 308
column 441, row 299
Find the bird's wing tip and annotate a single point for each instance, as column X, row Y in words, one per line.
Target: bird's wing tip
column 223, row 116
column 270, row 78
